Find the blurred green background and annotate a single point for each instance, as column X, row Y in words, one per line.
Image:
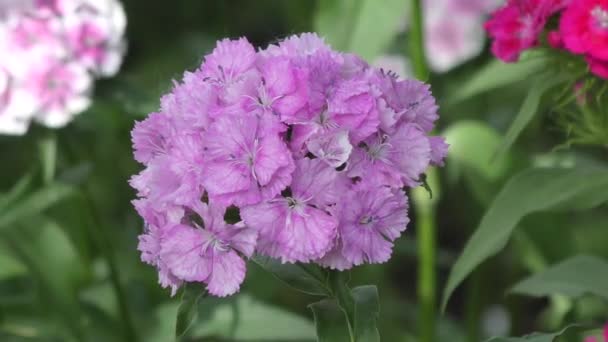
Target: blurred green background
column 69, row 268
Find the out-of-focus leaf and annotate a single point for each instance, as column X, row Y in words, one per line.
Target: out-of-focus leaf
column 10, row 266
column 528, row 192
column 188, row 308
column 498, row 74
column 330, row 321
column 307, row 278
column 535, row 337
column 367, row 311
column 353, row 25
column 244, row 318
column 56, row 267
column 34, row 203
column 528, row 109
column 16, row 192
column 472, row 145
column 574, row 277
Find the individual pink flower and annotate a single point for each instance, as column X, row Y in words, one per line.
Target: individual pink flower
column 62, row 90
column 209, row 254
column 299, row 227
column 584, row 28
column 246, row 162
column 333, row 148
column 371, row 219
column 394, row 160
column 516, row 26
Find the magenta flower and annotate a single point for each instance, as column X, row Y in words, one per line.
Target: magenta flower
column 516, row 26
column 311, row 147
column 584, row 28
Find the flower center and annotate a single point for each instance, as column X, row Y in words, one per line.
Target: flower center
column 365, row 220
column 601, row 17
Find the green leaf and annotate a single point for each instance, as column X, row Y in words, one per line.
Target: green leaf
column 574, row 277
column 330, row 321
column 10, row 266
column 188, row 308
column 307, row 278
column 498, row 74
column 16, row 192
column 528, row 109
column 354, row 25
column 530, row 191
column 243, row 318
column 535, row 337
column 367, row 311
column 35, row 203
column 54, row 264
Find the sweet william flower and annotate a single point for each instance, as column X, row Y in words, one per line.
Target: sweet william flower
column 371, row 219
column 299, row 226
column 302, row 142
column 209, row 254
column 584, row 28
column 53, row 51
column 516, row 26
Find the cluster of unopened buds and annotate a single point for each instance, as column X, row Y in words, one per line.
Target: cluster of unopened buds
column 296, row 152
column 52, row 50
column 582, row 29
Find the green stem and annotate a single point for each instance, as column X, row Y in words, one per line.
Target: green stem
column 416, row 41
column 425, row 228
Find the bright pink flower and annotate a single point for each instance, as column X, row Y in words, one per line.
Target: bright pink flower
column 584, row 28
column 598, row 67
column 516, row 26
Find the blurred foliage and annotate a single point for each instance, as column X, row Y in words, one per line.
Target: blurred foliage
column 70, row 271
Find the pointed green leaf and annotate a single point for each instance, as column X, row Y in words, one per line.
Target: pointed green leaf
column 574, row 277
column 528, row 109
column 307, row 278
column 528, row 192
column 188, row 308
column 330, row 321
column 535, row 337
column 16, row 192
column 498, row 74
column 353, row 25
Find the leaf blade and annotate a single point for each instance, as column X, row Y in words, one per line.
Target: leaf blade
column 554, row 188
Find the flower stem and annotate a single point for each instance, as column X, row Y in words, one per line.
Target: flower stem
column 424, row 205
column 426, row 276
column 416, row 41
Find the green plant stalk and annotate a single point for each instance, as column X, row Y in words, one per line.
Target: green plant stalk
column 427, row 282
column 416, row 41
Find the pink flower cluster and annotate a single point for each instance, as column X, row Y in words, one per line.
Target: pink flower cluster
column 582, row 30
column 310, row 149
column 51, row 52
